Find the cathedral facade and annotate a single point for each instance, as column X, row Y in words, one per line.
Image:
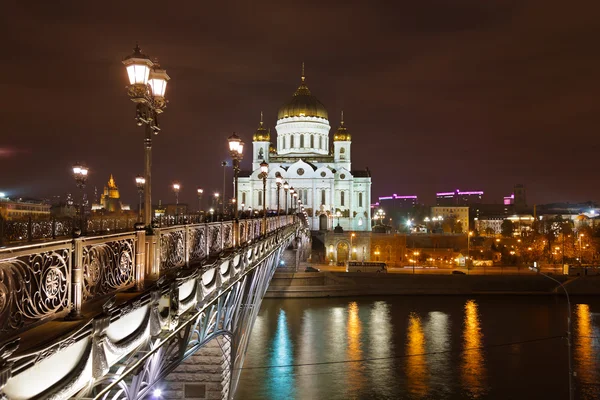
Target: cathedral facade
column 332, row 193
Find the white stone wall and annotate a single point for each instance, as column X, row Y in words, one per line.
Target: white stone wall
column 305, row 127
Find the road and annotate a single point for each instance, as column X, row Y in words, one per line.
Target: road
column 496, row 270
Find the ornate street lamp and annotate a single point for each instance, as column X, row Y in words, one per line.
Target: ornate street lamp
column 292, row 191
column 200, row 193
column 140, row 183
column 264, row 171
column 286, row 187
column 176, row 188
column 236, row 150
column 80, row 173
column 278, row 182
column 147, row 86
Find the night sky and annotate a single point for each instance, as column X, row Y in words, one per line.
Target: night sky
column 438, row 95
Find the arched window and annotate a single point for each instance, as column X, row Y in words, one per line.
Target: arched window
column 342, row 153
column 312, row 142
column 292, row 141
column 260, row 197
column 301, row 141
column 322, row 197
column 360, row 200
column 321, row 142
column 342, row 198
column 243, row 197
column 342, row 150
column 260, row 154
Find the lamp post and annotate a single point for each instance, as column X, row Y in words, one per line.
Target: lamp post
column 292, row 191
column 278, row 182
column 338, row 214
column 147, row 86
column 571, row 388
column 176, row 188
column 264, row 171
column 140, row 183
column 212, row 214
column 224, row 165
column 468, row 250
column 236, row 150
column 415, row 254
column 294, row 201
column 80, row 173
column 216, row 200
column 200, row 192
column 286, row 187
column 352, row 236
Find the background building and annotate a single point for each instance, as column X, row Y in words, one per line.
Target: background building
column 454, row 219
column 23, row 208
column 110, row 199
column 458, row 198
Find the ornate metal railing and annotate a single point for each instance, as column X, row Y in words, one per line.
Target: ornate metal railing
column 35, row 283
column 47, row 280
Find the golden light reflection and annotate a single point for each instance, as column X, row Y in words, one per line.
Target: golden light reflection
column 473, row 368
column 585, row 360
column 416, row 367
column 355, row 369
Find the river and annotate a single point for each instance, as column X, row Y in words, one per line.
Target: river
column 421, row 347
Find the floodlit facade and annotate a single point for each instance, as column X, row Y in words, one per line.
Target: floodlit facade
column 321, row 174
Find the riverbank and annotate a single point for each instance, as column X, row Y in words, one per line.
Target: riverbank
column 341, row 284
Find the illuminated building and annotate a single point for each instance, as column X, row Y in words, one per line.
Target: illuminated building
column 458, row 198
column 460, row 214
column 20, row 208
column 331, row 192
column 110, row 200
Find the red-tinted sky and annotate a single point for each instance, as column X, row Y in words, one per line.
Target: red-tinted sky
column 438, row 95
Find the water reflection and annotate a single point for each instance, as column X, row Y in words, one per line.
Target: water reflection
column 381, row 346
column 355, row 369
column 473, row 368
column 585, row 353
column 282, row 378
column 437, row 331
column 416, row 367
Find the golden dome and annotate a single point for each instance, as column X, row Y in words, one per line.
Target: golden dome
column 303, row 104
column 262, row 134
column 342, row 135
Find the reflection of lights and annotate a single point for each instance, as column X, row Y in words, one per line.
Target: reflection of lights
column 586, row 364
column 473, row 369
column 416, row 368
column 282, row 378
column 355, row 374
column 157, row 393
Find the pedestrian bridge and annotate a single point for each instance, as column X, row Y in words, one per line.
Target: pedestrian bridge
column 137, row 315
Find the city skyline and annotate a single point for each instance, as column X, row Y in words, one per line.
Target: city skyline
column 471, row 96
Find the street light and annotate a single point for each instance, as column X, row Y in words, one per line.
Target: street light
column 216, row 200
column 292, row 191
column 338, row 215
column 571, row 373
column 236, row 150
column 264, row 171
column 212, row 214
column 286, row 187
column 147, row 86
column 140, row 183
column 200, row 193
column 352, row 236
column 176, row 188
column 80, row 173
column 278, row 182
column 415, row 254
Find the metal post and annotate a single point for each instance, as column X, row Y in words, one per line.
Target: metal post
column 286, row 201
column 148, row 177
column 278, row 189
column 224, row 164
column 264, row 203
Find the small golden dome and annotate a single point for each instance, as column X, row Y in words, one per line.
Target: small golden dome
column 303, row 104
column 272, row 149
column 262, row 134
column 342, row 135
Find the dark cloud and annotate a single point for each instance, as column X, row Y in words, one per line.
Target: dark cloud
column 438, row 94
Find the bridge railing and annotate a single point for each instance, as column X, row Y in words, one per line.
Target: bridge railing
column 45, row 281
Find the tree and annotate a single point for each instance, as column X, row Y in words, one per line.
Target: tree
column 507, row 228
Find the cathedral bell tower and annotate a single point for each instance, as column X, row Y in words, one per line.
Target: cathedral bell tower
column 341, row 146
column 261, row 142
